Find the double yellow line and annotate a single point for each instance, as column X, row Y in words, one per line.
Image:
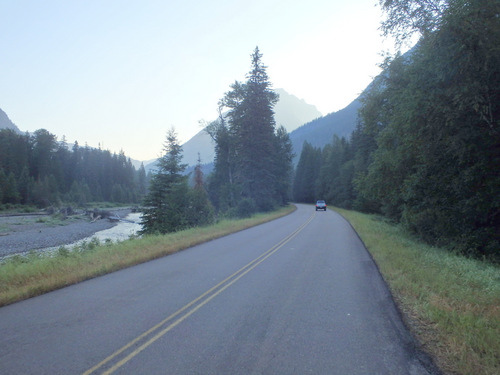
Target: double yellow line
column 159, row 330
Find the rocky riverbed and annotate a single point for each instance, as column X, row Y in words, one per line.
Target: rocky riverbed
column 23, row 233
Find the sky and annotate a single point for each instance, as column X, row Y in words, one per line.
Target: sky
column 117, row 74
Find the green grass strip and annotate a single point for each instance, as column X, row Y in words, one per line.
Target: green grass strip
column 451, row 303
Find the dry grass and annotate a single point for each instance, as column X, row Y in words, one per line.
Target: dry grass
column 451, row 303
column 25, row 277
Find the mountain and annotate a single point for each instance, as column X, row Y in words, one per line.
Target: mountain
column 290, row 111
column 319, row 132
column 5, row 122
column 201, row 144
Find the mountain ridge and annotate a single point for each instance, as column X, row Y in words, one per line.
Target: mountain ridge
column 320, row 132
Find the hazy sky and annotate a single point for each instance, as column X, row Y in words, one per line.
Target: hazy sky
column 119, row 73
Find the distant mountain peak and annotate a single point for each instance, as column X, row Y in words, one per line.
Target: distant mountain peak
column 292, row 112
column 6, row 123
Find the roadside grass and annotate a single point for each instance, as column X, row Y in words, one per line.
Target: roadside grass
column 22, row 277
column 450, row 302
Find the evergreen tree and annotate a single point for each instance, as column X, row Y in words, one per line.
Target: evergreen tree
column 201, row 211
column 305, row 186
column 335, row 179
column 44, row 146
column 221, row 187
column 283, row 166
column 168, row 192
column 253, row 127
column 142, row 181
column 25, row 184
column 249, row 151
column 10, row 191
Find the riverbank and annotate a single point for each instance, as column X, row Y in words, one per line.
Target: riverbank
column 24, row 233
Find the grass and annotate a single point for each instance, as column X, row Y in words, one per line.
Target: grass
column 23, row 277
column 451, row 303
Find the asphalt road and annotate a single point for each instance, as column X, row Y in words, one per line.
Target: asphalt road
column 299, row 295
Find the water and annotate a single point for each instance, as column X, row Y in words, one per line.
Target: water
column 120, row 232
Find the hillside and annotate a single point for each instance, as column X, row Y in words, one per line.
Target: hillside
column 319, row 132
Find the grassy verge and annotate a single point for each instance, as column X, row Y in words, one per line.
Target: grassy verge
column 25, row 277
column 451, row 303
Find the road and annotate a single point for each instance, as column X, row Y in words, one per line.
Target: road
column 298, row 295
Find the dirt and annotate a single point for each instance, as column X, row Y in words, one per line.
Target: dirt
column 23, row 233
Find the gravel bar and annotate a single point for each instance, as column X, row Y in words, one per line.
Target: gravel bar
column 19, row 234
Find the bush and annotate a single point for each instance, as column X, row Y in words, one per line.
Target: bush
column 246, row 208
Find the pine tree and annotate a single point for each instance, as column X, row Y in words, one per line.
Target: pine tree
column 307, row 174
column 168, row 192
column 221, row 188
column 254, row 133
column 201, row 211
column 249, row 141
column 283, row 166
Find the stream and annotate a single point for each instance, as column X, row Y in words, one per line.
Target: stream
column 122, row 231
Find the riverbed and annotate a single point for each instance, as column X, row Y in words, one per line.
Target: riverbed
column 25, row 234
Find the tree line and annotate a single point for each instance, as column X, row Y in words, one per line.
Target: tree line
column 38, row 170
column 426, row 150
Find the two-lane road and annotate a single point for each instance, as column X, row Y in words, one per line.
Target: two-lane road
column 299, row 295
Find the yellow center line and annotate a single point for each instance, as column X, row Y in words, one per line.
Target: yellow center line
column 230, row 280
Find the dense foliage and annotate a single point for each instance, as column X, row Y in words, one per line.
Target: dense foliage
column 38, row 170
column 426, row 152
column 170, row 204
column 253, row 159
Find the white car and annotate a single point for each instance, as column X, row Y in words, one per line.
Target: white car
column 320, row 205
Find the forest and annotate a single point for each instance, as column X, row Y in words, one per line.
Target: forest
column 426, row 150
column 38, row 170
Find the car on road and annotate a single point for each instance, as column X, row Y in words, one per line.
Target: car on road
column 320, row 205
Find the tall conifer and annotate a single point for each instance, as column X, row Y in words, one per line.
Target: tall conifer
column 256, row 148
column 168, row 192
